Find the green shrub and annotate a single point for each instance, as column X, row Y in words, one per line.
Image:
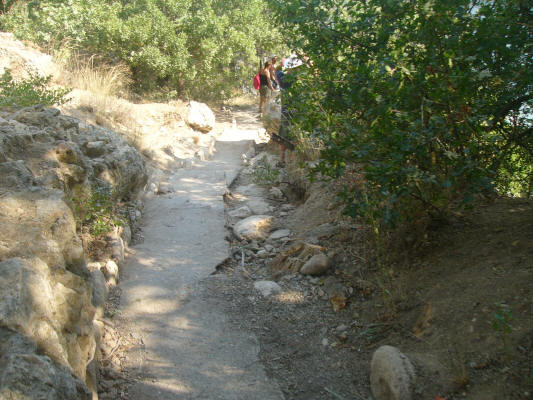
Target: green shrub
column 431, row 100
column 30, row 91
column 204, row 49
column 96, row 211
column 264, row 173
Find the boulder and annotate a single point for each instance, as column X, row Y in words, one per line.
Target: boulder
column 316, row 265
column 200, row 117
column 392, row 376
column 255, row 227
column 267, row 288
column 28, row 375
column 52, row 308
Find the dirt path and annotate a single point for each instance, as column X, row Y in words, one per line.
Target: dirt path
column 190, row 349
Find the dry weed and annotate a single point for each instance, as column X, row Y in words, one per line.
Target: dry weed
column 94, row 75
column 243, row 100
column 102, row 89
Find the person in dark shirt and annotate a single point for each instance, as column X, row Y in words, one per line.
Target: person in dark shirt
column 286, row 114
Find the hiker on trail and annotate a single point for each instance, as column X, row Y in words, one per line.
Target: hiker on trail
column 280, row 77
column 273, row 77
column 266, row 86
column 286, row 115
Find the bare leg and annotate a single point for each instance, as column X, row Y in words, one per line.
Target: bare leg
column 282, row 149
column 262, row 102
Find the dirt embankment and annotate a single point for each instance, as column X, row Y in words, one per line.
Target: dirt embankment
column 459, row 307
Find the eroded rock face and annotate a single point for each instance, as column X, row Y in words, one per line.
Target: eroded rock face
column 62, row 153
column 46, row 289
column 28, row 375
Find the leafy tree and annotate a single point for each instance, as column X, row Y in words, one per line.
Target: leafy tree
column 431, row 100
column 198, row 48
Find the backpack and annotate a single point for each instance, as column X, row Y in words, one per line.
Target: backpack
column 257, row 82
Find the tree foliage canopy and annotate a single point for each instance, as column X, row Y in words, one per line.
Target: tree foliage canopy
column 432, row 100
column 198, row 48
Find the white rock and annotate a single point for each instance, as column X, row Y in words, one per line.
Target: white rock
column 255, row 227
column 200, row 117
column 241, row 212
column 392, row 376
column 111, row 272
column 280, row 233
column 269, row 247
column 93, row 266
column 267, row 288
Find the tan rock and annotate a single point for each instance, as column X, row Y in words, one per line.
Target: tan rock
column 316, row 265
column 255, row 227
column 111, row 272
column 392, row 376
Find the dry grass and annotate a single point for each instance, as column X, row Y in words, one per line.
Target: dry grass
column 93, row 75
column 102, row 89
column 243, row 100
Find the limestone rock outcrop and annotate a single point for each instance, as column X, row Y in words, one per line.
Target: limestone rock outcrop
column 46, row 289
column 28, row 375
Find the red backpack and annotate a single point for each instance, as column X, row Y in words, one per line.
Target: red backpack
column 257, row 81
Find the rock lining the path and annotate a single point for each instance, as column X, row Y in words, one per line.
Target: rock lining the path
column 255, row 227
column 392, row 376
column 316, row 265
